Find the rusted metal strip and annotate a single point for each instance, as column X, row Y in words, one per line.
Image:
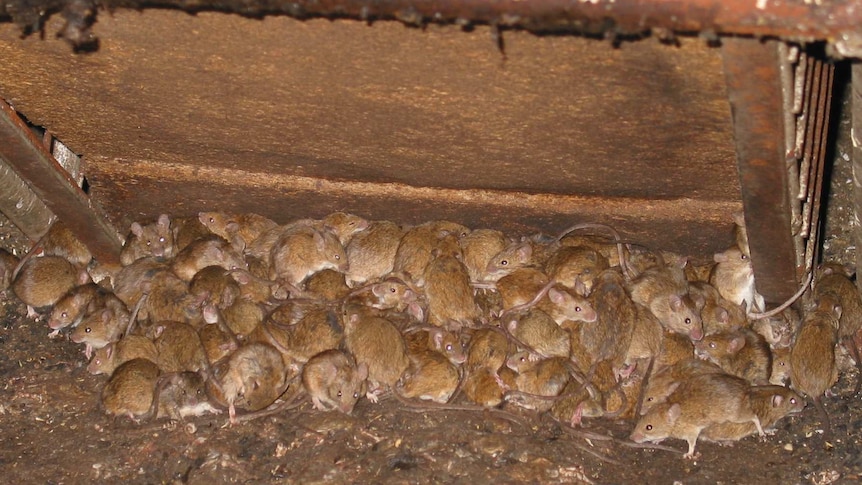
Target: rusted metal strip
column 21, row 150
column 21, row 205
column 822, row 107
column 836, row 21
column 752, row 74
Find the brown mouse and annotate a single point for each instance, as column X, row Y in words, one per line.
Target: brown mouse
column 179, row 347
column 416, row 246
column 697, row 403
column 664, row 290
column 431, row 376
column 328, row 284
column 743, row 353
column 779, row 330
column 168, row 299
column 445, row 342
column 215, row 285
column 151, row 240
column 540, row 333
column 217, row 343
column 75, row 305
column 180, row 395
column 132, row 279
column 378, row 344
column 448, row 294
column 41, row 282
column 576, row 267
column 812, row 357
column 521, row 254
column 299, row 253
column 187, row 230
column 718, row 314
column 211, row 250
column 344, row 225
column 610, row 336
column 59, row 241
column 334, row 381
column 131, row 389
column 781, row 373
column 664, row 381
column 478, row 248
column 8, row 263
column 537, row 376
column 111, row 356
column 770, row 403
column 371, row 253
column 647, row 338
column 521, row 286
column 833, row 279
column 243, row 317
column 487, row 387
column 740, row 234
column 239, row 229
column 102, row 327
column 251, row 378
column 733, row 277
column 489, row 349
column 317, row 331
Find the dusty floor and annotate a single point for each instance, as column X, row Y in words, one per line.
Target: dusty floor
column 52, row 431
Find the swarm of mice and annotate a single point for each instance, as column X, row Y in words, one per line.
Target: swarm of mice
column 235, row 312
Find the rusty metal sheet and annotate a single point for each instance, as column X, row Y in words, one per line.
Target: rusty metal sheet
column 21, row 150
column 754, row 90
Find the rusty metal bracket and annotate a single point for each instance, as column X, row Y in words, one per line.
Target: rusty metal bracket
column 752, row 73
column 27, row 156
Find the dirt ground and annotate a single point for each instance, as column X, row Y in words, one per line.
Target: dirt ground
column 52, row 431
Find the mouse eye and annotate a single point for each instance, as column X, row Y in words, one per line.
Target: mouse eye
column 355, row 395
column 578, row 309
column 792, row 400
column 338, row 393
column 149, row 242
column 712, row 345
column 88, row 330
column 504, row 262
column 337, row 257
column 392, row 290
column 743, row 257
column 64, row 314
column 162, row 239
column 212, row 220
column 688, row 321
column 587, row 271
column 649, row 427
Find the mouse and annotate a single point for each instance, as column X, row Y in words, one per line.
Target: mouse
column 207, row 251
column 781, row 373
column 214, row 284
column 733, row 277
column 102, row 327
column 812, row 357
column 770, row 403
column 537, row 378
column 665, row 380
column 131, row 389
column 743, row 353
column 740, row 234
column 132, row 279
column 168, row 299
column 478, row 248
column 298, row 254
column 187, row 230
column 328, row 284
column 664, row 290
column 718, row 314
column 106, row 359
column 487, row 387
column 153, row 239
column 317, row 331
column 697, row 403
column 576, row 267
column 217, row 343
column 430, row 376
column 378, row 344
column 8, row 263
column 779, row 330
column 243, row 317
column 435, row 339
column 647, row 338
column 43, row 281
column 516, row 255
column 251, row 378
column 540, row 333
column 239, row 229
column 610, row 336
column 448, row 294
column 334, row 381
column 60, row 241
column 180, row 395
column 521, row 286
column 832, row 278
column 75, row 305
column 371, row 252
column 345, row 226
column 489, row 348
column 414, row 251
column 179, row 347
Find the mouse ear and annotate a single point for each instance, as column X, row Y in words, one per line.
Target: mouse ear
column 136, row 229
column 317, row 237
column 525, row 251
column 556, row 296
column 736, row 344
column 675, row 302
column 673, row 413
column 777, row 400
column 164, row 221
column 720, row 257
column 362, row 371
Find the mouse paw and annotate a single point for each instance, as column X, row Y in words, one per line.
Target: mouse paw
column 692, row 456
column 54, row 334
column 372, row 396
